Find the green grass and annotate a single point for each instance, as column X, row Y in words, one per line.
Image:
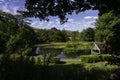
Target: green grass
column 81, row 45
column 101, row 65
column 53, row 45
column 80, row 48
column 71, row 61
column 67, row 47
column 85, row 45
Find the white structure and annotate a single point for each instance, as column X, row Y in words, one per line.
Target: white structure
column 37, row 50
column 98, row 48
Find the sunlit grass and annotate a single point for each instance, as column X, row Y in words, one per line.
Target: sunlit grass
column 53, row 45
column 102, row 65
column 81, row 45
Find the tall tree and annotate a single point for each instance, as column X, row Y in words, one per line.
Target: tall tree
column 14, row 36
column 42, row 35
column 74, row 40
column 103, row 26
column 108, row 29
column 22, row 40
column 87, row 34
column 8, row 26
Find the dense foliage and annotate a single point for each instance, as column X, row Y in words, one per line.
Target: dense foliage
column 94, row 58
column 78, row 48
column 15, row 37
column 51, row 35
column 26, row 68
column 45, row 8
column 87, row 35
column 107, row 31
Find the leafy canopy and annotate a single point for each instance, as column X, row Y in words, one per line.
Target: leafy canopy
column 87, row 34
column 15, row 36
column 60, row 8
column 108, row 31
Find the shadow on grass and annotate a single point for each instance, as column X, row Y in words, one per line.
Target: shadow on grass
column 24, row 68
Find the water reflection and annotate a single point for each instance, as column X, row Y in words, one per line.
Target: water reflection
column 61, row 55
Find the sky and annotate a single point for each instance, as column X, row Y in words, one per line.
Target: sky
column 75, row 22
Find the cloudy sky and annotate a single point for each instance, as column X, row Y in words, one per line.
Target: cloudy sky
column 75, row 22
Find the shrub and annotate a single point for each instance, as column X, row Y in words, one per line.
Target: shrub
column 115, row 74
column 94, row 58
column 80, row 48
column 55, row 60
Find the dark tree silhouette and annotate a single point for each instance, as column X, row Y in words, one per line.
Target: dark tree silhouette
column 60, row 8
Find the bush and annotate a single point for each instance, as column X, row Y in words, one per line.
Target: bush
column 80, row 48
column 94, row 58
column 70, row 52
column 55, row 60
column 115, row 74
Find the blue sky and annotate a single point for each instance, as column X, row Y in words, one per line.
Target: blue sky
column 75, row 23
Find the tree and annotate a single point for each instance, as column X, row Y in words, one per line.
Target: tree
column 74, row 40
column 8, row 27
column 22, row 40
column 2, row 42
column 87, row 34
column 42, row 35
column 103, row 26
column 45, row 8
column 65, row 36
column 108, row 29
column 14, row 37
column 51, row 35
column 55, row 35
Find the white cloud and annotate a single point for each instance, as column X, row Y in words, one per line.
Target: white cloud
column 2, row 0
column 9, row 8
column 5, row 8
column 70, row 25
column 15, row 9
column 95, row 17
column 56, row 20
column 87, row 17
column 90, row 17
column 70, row 20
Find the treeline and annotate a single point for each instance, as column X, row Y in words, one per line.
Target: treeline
column 55, row 35
column 51, row 35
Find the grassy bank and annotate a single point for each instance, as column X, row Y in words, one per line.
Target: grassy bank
column 67, row 47
column 26, row 69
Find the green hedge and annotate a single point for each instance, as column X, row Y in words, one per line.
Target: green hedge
column 80, row 48
column 94, row 58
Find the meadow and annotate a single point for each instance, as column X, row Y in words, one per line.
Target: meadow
column 69, row 68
